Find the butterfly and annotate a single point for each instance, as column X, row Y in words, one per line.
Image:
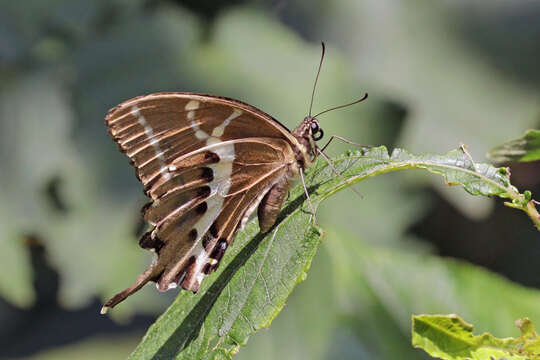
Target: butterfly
column 207, row 163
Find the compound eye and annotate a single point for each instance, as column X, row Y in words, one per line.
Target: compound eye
column 318, row 135
column 314, row 127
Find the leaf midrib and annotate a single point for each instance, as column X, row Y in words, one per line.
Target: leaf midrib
column 416, row 164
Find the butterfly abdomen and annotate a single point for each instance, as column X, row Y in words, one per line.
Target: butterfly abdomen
column 271, row 203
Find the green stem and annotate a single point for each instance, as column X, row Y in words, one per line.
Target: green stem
column 530, row 210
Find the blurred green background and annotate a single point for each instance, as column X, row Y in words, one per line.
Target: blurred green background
column 438, row 73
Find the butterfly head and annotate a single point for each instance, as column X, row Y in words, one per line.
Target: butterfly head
column 316, row 132
column 307, row 133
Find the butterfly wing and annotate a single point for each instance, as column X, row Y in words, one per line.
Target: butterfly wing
column 156, row 129
column 206, row 162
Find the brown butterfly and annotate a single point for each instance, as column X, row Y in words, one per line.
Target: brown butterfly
column 207, row 163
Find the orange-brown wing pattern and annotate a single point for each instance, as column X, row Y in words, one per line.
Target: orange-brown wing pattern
column 206, row 172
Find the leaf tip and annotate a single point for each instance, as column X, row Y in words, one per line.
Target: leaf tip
column 504, row 171
column 528, row 195
column 526, row 327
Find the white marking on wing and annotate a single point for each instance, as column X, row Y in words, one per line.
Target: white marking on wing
column 164, row 172
column 219, row 186
column 213, row 141
column 219, row 130
column 200, row 260
column 222, row 170
column 199, row 134
column 172, row 286
column 214, row 207
column 192, row 105
column 154, row 141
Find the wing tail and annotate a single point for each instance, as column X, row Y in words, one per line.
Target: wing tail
column 151, row 273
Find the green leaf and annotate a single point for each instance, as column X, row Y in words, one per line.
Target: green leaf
column 377, row 288
column 526, row 148
column 449, row 337
column 457, row 167
column 259, row 272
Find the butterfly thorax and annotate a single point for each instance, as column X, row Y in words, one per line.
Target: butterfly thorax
column 306, row 134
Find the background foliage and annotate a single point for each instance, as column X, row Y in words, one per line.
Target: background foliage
column 438, row 73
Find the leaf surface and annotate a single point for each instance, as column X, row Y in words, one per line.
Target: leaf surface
column 259, row 271
column 449, row 337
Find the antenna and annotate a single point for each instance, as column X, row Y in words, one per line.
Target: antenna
column 317, row 77
column 342, row 106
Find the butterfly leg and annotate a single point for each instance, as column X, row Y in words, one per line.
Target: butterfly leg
column 345, row 141
column 307, row 195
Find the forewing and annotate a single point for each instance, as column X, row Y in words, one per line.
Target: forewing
column 157, row 129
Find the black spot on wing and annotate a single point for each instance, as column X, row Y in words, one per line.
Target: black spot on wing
column 208, row 174
column 207, row 268
column 206, row 241
column 214, row 229
column 215, row 257
column 192, row 235
column 201, row 208
column 147, row 242
column 204, row 191
column 219, row 250
column 211, row 157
